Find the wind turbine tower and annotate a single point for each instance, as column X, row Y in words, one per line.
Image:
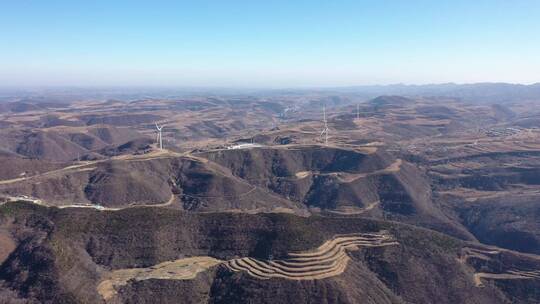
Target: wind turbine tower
column 159, row 136
column 357, row 111
column 325, row 130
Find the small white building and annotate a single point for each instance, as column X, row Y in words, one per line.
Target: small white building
column 244, row 146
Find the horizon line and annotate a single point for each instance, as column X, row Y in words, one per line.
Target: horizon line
column 236, row 87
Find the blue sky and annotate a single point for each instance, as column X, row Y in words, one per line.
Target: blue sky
column 267, row 43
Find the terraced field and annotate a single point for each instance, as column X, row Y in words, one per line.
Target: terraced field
column 483, row 258
column 510, row 275
column 328, row 260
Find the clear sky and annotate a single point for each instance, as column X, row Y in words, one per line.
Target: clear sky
column 267, row 43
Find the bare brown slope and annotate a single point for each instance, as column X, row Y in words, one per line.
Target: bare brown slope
column 185, row 182
column 50, row 146
column 298, row 173
column 494, row 195
column 15, row 166
column 64, row 144
column 75, row 247
column 119, row 119
column 287, row 161
column 343, row 180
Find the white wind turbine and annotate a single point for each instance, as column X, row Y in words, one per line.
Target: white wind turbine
column 159, row 138
column 324, row 132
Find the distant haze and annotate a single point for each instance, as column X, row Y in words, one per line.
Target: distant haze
column 270, row 44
